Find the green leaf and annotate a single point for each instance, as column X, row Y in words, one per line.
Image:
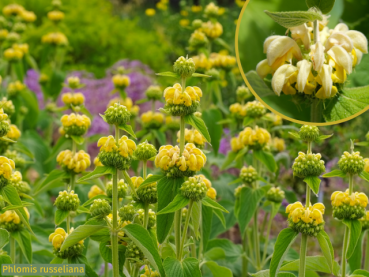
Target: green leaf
column 60, row 144
column 237, row 181
column 189, row 267
column 364, row 175
column 200, row 75
column 267, row 159
column 97, row 173
column 241, row 154
column 78, row 139
column 356, row 258
column 248, row 202
column 80, row 233
column 178, row 203
column 151, row 179
column 54, row 176
column 141, row 101
column 355, row 231
column 168, row 74
column 207, row 218
column 275, row 208
column 284, row 240
column 325, row 6
column 334, row 173
column 360, row 272
column 7, row 139
column 207, row 201
column 349, row 102
column 295, row 135
column 4, row 259
column 362, row 143
column 128, row 129
column 295, row 18
column 265, row 273
column 60, row 215
column 196, row 218
column 167, row 190
column 315, row 263
column 231, row 156
column 247, row 121
column 23, row 239
column 4, row 238
column 18, row 69
column 326, row 247
column 211, row 117
column 141, row 237
column 20, row 147
column 314, row 183
column 160, row 136
column 221, row 217
column 323, row 137
column 217, row 270
column 199, row 125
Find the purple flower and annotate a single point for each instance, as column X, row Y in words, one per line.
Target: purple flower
column 225, row 143
column 31, row 81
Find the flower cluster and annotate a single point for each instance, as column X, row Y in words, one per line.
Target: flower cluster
column 21, row 186
column 100, row 208
column 181, row 102
column 309, row 133
column 238, row 111
column 256, row 138
column 121, row 81
column 147, row 194
column 351, row 163
column 306, row 220
column 122, row 189
column 152, row 120
column 118, row 155
column 150, row 273
column 365, row 221
column 184, row 67
column 57, row 238
column 56, row 39
column 14, row 88
column 211, row 29
column 243, row 93
column 74, row 124
column 212, row 193
column 11, row 221
column 255, row 109
column 308, row 165
column 117, row 114
column 248, row 175
column 4, row 123
column 7, row 106
column 75, row 99
column 145, row 151
column 152, row 217
column 127, row 212
column 6, row 169
column 74, row 162
column 315, row 70
column 275, row 194
column 346, row 206
column 278, row 144
column 193, row 136
column 194, row 188
column 67, row 201
column 55, row 16
column 94, row 191
column 128, row 103
column 174, row 165
column 134, row 253
column 153, row 93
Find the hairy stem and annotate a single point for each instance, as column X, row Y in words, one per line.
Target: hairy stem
column 144, row 169
column 12, row 249
column 303, row 250
column 177, row 231
column 245, row 262
column 182, row 136
column 346, row 241
column 184, row 235
column 106, row 269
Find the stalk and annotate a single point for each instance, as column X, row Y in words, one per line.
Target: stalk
column 114, row 232
column 106, row 269
column 267, row 237
column 146, row 208
column 153, row 106
column 184, row 235
column 245, row 262
column 256, row 240
column 12, row 249
column 303, row 247
column 366, row 262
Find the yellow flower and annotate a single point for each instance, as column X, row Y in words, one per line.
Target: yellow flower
column 236, row 144
column 366, row 167
column 128, row 103
column 21, row 47
column 56, row 38
column 121, row 81
column 28, row 16
column 196, row 9
column 107, row 144
column 97, row 162
column 284, row 78
column 13, row 9
column 74, row 99
column 3, row 34
column 55, row 16
column 94, row 191
column 184, row 13
column 3, row 116
column 278, row 144
column 162, row 6
column 202, row 63
column 175, row 95
column 13, row 54
column 77, row 162
column 150, row 273
column 6, row 167
column 14, row 133
column 193, row 136
column 238, row 110
column 151, row 116
column 184, row 22
column 222, row 60
column 150, row 12
column 212, row 30
column 75, row 120
column 254, row 137
column 312, row 214
column 126, row 146
column 212, row 193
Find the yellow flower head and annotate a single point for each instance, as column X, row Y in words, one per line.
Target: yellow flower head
column 6, row 167
column 13, row 54
column 97, row 162
column 236, row 144
column 212, row 30
column 202, row 63
column 170, row 161
column 125, row 146
column 184, row 22
column 57, row 38
column 75, row 124
column 278, row 144
column 13, row 9
column 152, row 119
column 150, row 12
column 76, row 162
column 175, row 96
column 193, row 136
column 346, row 206
column 238, row 110
column 128, row 103
column 150, row 273
column 121, row 81
column 3, row 34
column 257, row 137
column 74, row 99
column 14, row 133
column 94, row 191
column 15, row 87
column 196, row 9
column 212, row 193
column 3, row 116
column 224, row 61
column 28, row 16
column 57, row 238
column 24, row 48
column 366, row 167
column 55, row 16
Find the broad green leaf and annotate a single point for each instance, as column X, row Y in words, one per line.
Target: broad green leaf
column 160, row 136
column 97, row 173
column 151, row 179
column 265, row 273
column 189, row 267
column 4, row 259
column 356, row 258
column 78, row 139
column 178, row 203
column 347, row 103
column 295, row 135
column 200, row 75
column 275, row 208
column 80, row 233
column 267, row 159
column 196, row 218
column 314, row 183
column 284, row 240
column 59, row 145
column 248, row 202
column 23, row 239
column 207, row 218
column 199, row 125
column 20, row 147
column 60, row 215
column 128, row 129
column 4, row 238
column 241, row 154
column 237, row 181
column 221, row 217
column 334, row 173
column 168, row 74
column 325, row 6
column 207, row 201
column 89, row 272
column 217, row 270
column 355, row 231
column 295, row 18
column 173, row 267
column 229, row 250
column 360, row 272
column 326, row 247
column 362, row 143
column 247, row 121
column 211, row 117
column 364, row 175
column 167, row 190
column 323, row 137
column 55, row 176
column 315, row 263
column 167, row 249
column 141, row 237
column 231, row 156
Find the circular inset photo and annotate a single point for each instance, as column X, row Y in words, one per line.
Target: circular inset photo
column 306, row 60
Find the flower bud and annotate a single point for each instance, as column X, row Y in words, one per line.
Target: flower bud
column 184, row 67
column 127, row 213
column 145, row 151
column 6, row 169
column 150, row 272
column 198, row 40
column 212, row 30
column 55, row 16
column 365, row 221
column 100, row 208
column 184, row 213
column 255, row 109
column 275, row 194
column 306, row 165
column 211, row 10
column 154, row 93
column 117, row 114
column 148, row 194
column 57, row 238
column 121, row 81
column 4, row 124
column 21, row 186
column 309, row 133
column 351, row 163
column 10, row 220
column 15, row 88
column 122, row 189
column 75, row 124
column 13, row 37
column 248, row 175
column 308, row 221
column 238, row 111
column 243, row 93
column 194, row 189
column 67, row 201
column 134, row 253
column 13, row 10
column 94, row 191
column 7, row 106
column 212, row 193
column 346, row 206
column 255, row 139
column 76, row 163
column 74, row 82
column 152, row 217
column 59, row 39
column 197, row 23
column 278, row 144
column 237, row 191
column 75, row 99
column 19, row 27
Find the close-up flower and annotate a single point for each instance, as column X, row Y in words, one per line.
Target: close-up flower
column 349, row 206
column 75, row 124
column 152, row 120
column 193, row 136
column 74, row 162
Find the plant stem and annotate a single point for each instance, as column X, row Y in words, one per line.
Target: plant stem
column 106, row 269
column 182, row 136
column 193, row 247
column 144, row 169
column 351, row 184
column 256, row 240
column 309, row 147
column 12, row 249
column 146, row 215
column 177, row 231
column 303, row 250
column 267, row 237
column 129, row 182
column 245, row 262
column 184, row 235
column 153, row 106
column 346, row 241
column 68, row 224
column 366, row 263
